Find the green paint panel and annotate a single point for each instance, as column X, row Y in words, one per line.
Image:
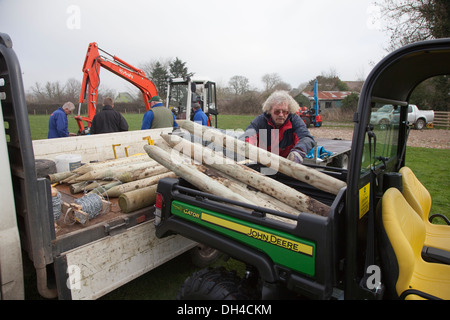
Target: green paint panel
column 283, row 248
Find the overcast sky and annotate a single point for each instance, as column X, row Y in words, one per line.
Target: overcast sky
column 297, row 39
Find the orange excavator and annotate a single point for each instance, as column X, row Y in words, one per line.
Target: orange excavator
column 91, row 82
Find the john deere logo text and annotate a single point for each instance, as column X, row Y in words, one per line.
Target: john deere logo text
column 279, row 241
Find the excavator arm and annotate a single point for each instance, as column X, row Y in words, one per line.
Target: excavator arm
column 91, row 82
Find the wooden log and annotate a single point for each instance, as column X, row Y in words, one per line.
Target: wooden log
column 59, row 176
column 190, row 173
column 114, row 172
column 70, row 179
column 297, row 171
column 95, row 184
column 248, row 176
column 141, row 173
column 264, row 200
column 137, row 199
column 253, row 197
column 78, row 187
column 138, row 184
column 86, row 186
column 103, row 189
column 110, row 163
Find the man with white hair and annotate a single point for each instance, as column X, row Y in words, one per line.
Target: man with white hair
column 278, row 129
column 58, row 124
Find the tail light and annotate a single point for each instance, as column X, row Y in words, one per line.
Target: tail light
column 158, row 206
column 159, row 200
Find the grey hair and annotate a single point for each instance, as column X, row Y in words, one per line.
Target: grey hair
column 69, row 105
column 279, row 97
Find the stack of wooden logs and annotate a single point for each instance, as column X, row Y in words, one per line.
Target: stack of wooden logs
column 132, row 180
column 211, row 172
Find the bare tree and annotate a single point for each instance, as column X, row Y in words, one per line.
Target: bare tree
column 408, row 21
column 54, row 91
column 38, row 92
column 239, row 84
column 72, row 90
column 302, row 86
column 270, row 80
column 104, row 92
column 283, row 86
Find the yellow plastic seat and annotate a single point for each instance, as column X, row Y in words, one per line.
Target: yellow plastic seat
column 437, row 236
column 405, row 232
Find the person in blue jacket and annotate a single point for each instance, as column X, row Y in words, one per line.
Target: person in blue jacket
column 278, row 129
column 158, row 116
column 199, row 116
column 58, row 124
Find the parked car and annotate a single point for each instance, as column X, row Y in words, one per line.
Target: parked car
column 419, row 118
column 388, row 113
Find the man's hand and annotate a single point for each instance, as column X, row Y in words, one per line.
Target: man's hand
column 296, row 155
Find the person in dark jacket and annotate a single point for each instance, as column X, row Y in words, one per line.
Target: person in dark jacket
column 108, row 120
column 278, row 129
column 58, row 124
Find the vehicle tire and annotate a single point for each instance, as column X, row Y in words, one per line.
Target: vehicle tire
column 202, row 255
column 307, row 121
column 214, row 284
column 420, row 124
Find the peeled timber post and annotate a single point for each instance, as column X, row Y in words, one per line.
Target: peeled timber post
column 214, row 181
column 137, row 199
column 248, row 176
column 190, row 173
column 300, row 172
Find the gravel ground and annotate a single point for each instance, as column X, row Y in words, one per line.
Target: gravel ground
column 426, row 138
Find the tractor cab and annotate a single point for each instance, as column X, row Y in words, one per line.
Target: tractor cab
column 183, row 93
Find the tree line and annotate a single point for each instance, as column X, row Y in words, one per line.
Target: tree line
column 238, row 97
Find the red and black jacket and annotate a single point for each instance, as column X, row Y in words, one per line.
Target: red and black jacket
column 293, row 134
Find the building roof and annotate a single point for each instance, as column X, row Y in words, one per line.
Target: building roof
column 327, row 95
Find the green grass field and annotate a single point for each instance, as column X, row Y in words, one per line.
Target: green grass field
column 431, row 166
column 39, row 123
